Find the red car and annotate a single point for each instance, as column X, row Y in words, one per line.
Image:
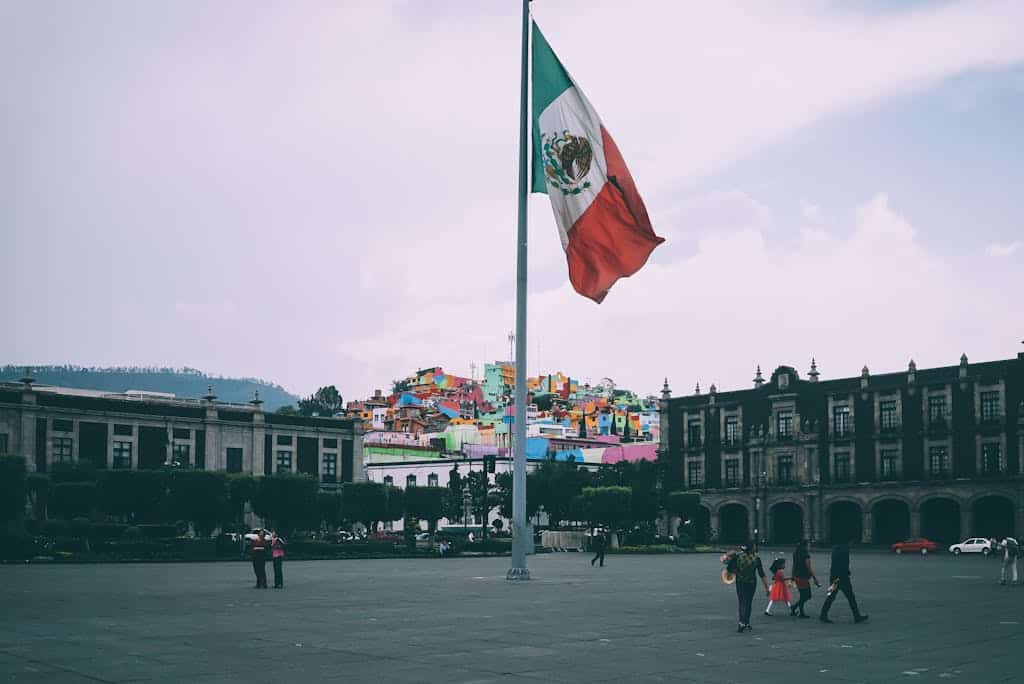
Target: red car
column 921, row 546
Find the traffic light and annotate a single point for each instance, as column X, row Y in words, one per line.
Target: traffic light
column 490, row 463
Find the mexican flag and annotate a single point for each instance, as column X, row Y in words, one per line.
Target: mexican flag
column 603, row 224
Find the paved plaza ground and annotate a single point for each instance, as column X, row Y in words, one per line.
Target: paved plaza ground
column 640, row 618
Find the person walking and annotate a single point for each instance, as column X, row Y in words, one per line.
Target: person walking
column 746, row 566
column 1011, row 551
column 779, row 592
column 277, row 545
column 839, row 581
column 258, row 550
column 599, row 546
column 802, row 576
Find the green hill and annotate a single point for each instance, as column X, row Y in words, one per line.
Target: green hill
column 182, row 382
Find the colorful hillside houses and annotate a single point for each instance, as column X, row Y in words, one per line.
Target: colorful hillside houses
column 434, row 415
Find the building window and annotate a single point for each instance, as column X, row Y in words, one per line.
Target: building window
column 938, row 464
column 330, row 443
column 785, row 472
column 234, row 460
column 389, row 481
column 410, row 481
column 182, row 433
column 284, row 440
column 843, row 467
column 695, row 472
column 991, row 458
column 784, row 423
column 732, row 430
column 122, row 455
column 694, row 433
column 4, row 443
column 937, row 409
column 61, row 449
column 841, row 420
column 432, row 480
column 284, row 461
column 989, row 406
column 888, row 415
column 783, row 380
column 124, row 430
column 732, row 472
column 63, row 425
column 180, row 454
column 888, row 464
column 330, row 469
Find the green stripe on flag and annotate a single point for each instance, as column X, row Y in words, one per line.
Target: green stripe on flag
column 549, row 80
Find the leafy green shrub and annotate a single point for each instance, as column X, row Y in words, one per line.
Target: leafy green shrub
column 684, row 541
column 55, row 528
column 12, row 488
column 73, row 499
column 656, row 549
column 20, row 547
column 158, row 531
column 80, row 471
column 132, row 532
column 105, row 531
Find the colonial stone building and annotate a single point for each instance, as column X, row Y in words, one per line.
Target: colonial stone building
column 932, row 452
column 49, row 425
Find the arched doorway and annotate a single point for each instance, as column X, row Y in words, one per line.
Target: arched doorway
column 992, row 516
column 787, row 523
column 733, row 522
column 845, row 522
column 940, row 520
column 892, row 521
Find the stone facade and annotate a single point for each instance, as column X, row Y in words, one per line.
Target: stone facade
column 933, row 452
column 48, row 425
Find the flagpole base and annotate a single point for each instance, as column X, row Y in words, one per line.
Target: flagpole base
column 518, row 574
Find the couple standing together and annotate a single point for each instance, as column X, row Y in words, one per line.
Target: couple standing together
column 261, row 545
column 747, row 568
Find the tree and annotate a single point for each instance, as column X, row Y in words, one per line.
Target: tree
column 288, row 410
column 73, row 499
column 626, row 433
column 326, row 401
column 503, row 494
column 399, row 386
column 583, row 425
column 453, row 506
column 425, row 503
column 199, row 497
column 288, row 501
column 328, row 505
column 394, row 504
column 364, row 502
column 607, row 506
column 38, row 486
column 12, row 488
column 614, row 429
column 557, row 483
column 132, row 495
column 241, row 490
column 685, row 504
column 483, row 497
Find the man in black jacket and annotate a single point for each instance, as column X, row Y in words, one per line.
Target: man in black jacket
column 839, row 579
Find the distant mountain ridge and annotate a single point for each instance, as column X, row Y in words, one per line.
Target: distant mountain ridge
column 182, row 382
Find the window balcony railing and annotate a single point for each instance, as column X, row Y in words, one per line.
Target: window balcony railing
column 991, row 419
column 842, row 432
column 732, row 483
column 694, row 443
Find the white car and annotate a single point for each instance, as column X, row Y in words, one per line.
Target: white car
column 252, row 536
column 972, row 545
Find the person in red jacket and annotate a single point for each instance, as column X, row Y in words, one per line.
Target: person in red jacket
column 259, row 559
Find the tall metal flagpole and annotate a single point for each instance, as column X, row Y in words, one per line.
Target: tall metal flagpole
column 518, row 571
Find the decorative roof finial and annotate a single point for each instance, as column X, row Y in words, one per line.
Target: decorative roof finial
column 27, row 379
column 963, row 359
column 696, row 390
column 758, row 379
column 256, row 401
column 666, row 393
column 210, row 396
column 911, row 367
column 714, row 389
column 813, row 375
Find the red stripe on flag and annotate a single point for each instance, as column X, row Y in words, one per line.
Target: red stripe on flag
column 613, row 238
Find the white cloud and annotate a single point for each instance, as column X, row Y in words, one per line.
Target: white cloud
column 330, row 192
column 1000, row 250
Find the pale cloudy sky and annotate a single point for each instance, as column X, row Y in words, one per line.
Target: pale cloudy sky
column 325, row 192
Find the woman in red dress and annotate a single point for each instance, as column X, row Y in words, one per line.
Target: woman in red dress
column 780, row 591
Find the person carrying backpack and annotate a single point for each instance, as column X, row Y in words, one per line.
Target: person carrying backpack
column 1011, row 551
